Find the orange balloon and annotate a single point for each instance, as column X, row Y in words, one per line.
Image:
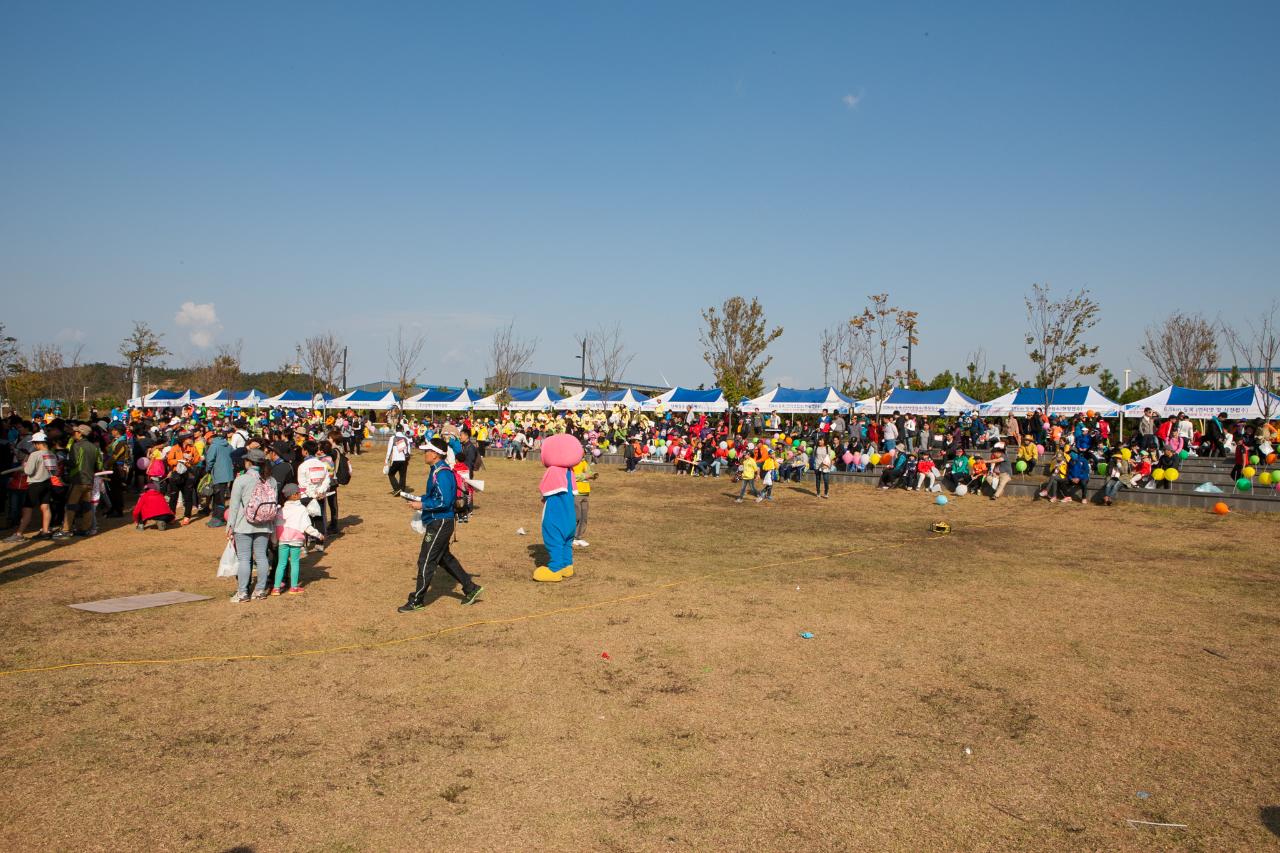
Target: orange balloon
column 1271, row 457
column 1221, row 509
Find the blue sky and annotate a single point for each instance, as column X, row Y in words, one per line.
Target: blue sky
column 311, row 166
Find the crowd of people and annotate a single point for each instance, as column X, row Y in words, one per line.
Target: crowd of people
column 270, row 477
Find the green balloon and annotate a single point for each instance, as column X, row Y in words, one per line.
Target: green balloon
column 1102, row 467
column 1253, row 460
column 1244, row 484
column 795, row 442
column 1020, row 466
column 1183, row 454
column 733, row 454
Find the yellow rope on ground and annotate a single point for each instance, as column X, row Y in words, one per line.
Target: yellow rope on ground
column 510, row 620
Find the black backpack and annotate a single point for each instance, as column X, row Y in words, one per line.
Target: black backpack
column 343, row 471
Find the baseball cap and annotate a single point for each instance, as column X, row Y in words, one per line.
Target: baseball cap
column 39, row 436
column 289, row 490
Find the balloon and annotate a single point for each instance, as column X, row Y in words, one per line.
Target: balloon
column 733, row 454
column 1253, row 460
column 1244, row 484
column 875, row 458
column 1126, row 453
column 962, row 490
column 1157, row 474
column 1265, row 478
column 848, row 458
column 1172, row 474
column 795, row 442
column 1183, row 454
column 1221, row 509
column 1271, row 457
column 857, row 458
column 724, row 445
column 940, row 500
column 596, row 452
column 1102, row 467
column 1090, row 414
column 1249, row 471
column 1040, row 450
column 1020, row 466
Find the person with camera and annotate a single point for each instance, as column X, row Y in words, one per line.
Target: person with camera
column 438, row 507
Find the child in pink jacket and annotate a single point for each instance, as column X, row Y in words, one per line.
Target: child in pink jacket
column 293, row 526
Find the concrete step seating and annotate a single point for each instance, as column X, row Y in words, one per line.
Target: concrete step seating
column 1181, row 494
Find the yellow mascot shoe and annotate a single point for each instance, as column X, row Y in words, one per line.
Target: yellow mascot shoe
column 566, row 572
column 544, row 575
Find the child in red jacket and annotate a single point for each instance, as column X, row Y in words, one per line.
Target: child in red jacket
column 152, row 506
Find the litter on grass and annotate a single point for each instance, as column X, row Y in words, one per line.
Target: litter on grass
column 807, row 635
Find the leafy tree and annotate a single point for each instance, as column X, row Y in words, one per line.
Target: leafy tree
column 735, row 339
column 1138, row 389
column 141, row 348
column 1055, row 336
column 1108, row 385
column 10, row 360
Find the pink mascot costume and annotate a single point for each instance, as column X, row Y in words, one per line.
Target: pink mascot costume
column 559, row 519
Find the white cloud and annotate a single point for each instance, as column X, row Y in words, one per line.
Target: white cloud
column 202, row 321
column 74, row 336
column 851, row 100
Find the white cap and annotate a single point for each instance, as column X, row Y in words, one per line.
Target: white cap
column 39, row 436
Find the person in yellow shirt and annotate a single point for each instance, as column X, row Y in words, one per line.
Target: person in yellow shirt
column 749, row 471
column 769, row 469
column 583, row 473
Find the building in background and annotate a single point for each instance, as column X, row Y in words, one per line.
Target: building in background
column 1238, row 377
column 570, row 384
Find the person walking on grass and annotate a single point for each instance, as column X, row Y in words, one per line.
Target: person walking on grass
column 252, row 515
column 83, row 461
column 437, row 507
column 293, row 526
column 823, row 461
column 38, row 470
column 396, row 464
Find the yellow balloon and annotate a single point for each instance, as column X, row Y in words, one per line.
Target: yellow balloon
column 1157, row 474
column 1126, row 453
column 875, row 458
column 1249, row 471
column 1265, row 478
column 1171, row 474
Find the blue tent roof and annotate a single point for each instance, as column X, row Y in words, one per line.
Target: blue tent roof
column 934, row 397
column 692, row 396
column 356, row 397
column 1226, row 398
column 527, row 395
column 293, row 397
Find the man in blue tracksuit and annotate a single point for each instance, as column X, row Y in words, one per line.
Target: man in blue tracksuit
column 437, row 519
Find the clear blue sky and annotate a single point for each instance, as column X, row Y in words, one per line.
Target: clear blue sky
column 345, row 166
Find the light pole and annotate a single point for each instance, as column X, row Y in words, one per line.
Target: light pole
column 583, row 359
column 1127, row 371
column 911, row 333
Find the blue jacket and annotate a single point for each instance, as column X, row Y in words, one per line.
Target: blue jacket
column 217, row 460
column 1078, row 468
column 442, row 489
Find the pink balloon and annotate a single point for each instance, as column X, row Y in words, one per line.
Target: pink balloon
column 848, row 457
column 857, row 459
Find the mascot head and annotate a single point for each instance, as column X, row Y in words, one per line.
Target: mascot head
column 561, row 451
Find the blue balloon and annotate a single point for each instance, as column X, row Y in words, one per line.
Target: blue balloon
column 940, row 500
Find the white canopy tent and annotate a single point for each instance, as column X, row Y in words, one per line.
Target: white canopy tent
column 1063, row 401
column 378, row 401
column 1250, row 401
column 441, row 401
column 682, row 399
column 800, row 401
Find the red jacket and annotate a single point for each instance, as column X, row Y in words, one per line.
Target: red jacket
column 151, row 504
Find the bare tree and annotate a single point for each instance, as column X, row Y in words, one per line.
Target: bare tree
column 1055, row 336
column 828, row 352
column 45, row 361
column 141, row 348
column 322, row 356
column 735, row 339
column 1254, row 344
column 878, row 336
column 223, row 370
column 509, row 354
column 70, row 378
column 1182, row 349
column 607, row 357
column 405, row 352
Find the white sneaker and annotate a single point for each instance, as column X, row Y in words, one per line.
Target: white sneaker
column 580, row 543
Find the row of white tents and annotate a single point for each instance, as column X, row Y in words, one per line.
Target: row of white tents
column 1247, row 402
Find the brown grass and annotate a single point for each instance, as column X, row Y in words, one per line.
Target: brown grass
column 1080, row 654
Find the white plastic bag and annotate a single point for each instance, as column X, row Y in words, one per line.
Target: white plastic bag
column 228, row 565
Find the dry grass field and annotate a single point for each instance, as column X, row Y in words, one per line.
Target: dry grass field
column 1012, row 686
